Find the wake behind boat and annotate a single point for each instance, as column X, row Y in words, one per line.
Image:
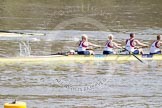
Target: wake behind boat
column 18, row 34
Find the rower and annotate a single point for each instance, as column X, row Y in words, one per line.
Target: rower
column 83, row 46
column 155, row 47
column 110, row 45
column 131, row 45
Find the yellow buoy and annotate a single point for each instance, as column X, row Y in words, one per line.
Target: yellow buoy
column 18, row 104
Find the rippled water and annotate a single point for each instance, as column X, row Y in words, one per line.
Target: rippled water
column 93, row 84
column 80, row 84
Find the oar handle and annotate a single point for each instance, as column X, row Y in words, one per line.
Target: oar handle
column 137, row 47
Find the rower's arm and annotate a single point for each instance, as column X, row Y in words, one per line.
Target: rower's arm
column 160, row 43
column 91, row 44
column 139, row 43
column 116, row 45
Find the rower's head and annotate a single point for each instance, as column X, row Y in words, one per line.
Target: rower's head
column 158, row 37
column 110, row 37
column 132, row 35
column 84, row 37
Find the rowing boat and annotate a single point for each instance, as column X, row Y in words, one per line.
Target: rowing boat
column 25, row 50
column 98, row 57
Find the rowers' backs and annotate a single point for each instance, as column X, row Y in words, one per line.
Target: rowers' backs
column 131, row 44
column 155, row 47
column 110, row 45
column 84, row 45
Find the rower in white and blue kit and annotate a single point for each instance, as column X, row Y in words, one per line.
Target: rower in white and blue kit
column 84, row 45
column 131, row 45
column 155, row 47
column 110, row 45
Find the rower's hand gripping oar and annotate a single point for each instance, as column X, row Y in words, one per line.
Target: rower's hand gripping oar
column 134, row 55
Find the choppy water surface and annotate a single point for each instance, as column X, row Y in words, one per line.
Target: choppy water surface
column 80, row 84
column 75, row 84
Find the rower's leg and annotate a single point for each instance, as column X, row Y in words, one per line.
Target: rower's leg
column 140, row 51
column 91, row 52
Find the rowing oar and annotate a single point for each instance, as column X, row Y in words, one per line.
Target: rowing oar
column 60, row 53
column 134, row 55
column 39, row 34
column 66, row 53
column 74, row 51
